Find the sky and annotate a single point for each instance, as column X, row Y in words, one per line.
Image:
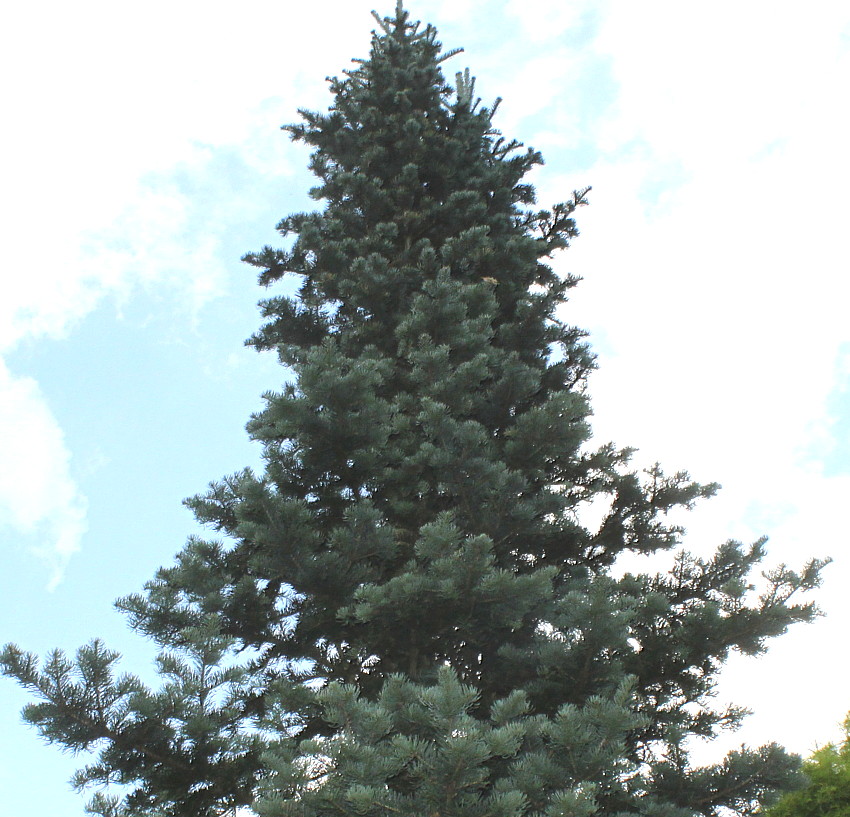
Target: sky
column 142, row 157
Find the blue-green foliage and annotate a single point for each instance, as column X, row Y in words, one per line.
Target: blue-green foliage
column 407, row 612
column 427, row 749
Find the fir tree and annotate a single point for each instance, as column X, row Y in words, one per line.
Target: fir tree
column 405, row 613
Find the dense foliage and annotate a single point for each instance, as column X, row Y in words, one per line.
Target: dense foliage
column 406, row 613
column 828, row 791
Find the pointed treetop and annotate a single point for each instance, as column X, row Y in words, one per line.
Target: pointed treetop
column 389, row 24
column 400, row 26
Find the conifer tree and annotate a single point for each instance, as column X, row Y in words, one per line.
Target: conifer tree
column 405, row 613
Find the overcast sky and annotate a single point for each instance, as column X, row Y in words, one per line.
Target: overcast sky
column 141, row 158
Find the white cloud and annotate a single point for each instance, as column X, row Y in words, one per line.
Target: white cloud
column 716, row 286
column 38, row 496
column 443, row 11
column 45, row 294
column 108, row 101
column 547, row 20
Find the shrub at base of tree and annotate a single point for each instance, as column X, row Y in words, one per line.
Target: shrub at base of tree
column 828, row 791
